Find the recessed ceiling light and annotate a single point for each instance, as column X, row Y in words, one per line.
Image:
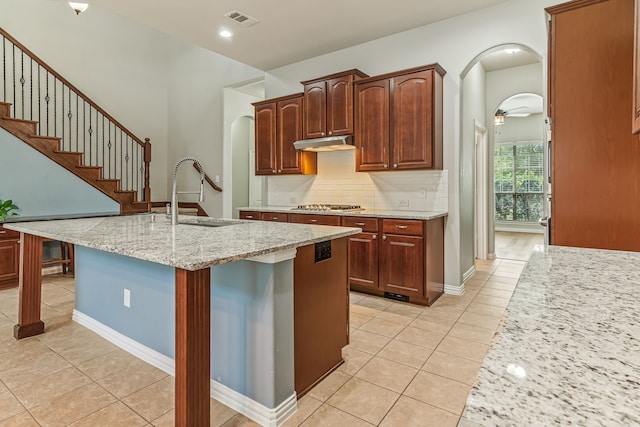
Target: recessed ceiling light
column 225, row 33
column 512, row 51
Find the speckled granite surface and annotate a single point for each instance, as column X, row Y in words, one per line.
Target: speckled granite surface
column 190, row 247
column 376, row 213
column 569, row 352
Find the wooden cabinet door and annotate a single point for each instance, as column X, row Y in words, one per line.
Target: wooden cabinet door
column 412, row 121
column 9, row 260
column 363, row 260
column 402, row 265
column 636, row 71
column 372, row 126
column 265, row 123
column 340, row 106
column 315, row 219
column 315, row 113
column 289, row 130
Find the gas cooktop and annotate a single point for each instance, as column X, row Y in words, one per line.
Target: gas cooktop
column 330, row 207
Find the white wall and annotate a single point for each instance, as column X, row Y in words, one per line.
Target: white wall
column 236, row 104
column 474, row 95
column 516, row 129
column 452, row 43
column 155, row 85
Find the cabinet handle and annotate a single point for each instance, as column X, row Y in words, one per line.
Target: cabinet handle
column 402, row 227
column 374, row 237
column 249, row 216
column 395, row 166
column 360, row 223
column 313, row 220
column 3, row 232
column 384, row 237
column 275, row 217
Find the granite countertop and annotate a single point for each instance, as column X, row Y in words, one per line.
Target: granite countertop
column 375, row 213
column 190, row 247
column 569, row 351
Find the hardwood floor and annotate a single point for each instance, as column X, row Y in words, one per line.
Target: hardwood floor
column 516, row 246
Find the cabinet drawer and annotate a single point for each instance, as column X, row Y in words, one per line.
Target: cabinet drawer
column 8, row 234
column 408, row 227
column 249, row 215
column 274, row 216
column 369, row 225
column 314, row 219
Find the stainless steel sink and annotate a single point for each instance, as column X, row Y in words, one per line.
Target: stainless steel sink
column 209, row 222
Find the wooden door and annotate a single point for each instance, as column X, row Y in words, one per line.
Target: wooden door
column 372, row 125
column 315, row 113
column 402, row 265
column 636, row 70
column 595, row 158
column 340, row 106
column 363, row 260
column 289, row 130
column 412, row 121
column 265, row 123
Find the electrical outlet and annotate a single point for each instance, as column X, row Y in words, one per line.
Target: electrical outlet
column 403, row 203
column 217, row 179
column 127, row 298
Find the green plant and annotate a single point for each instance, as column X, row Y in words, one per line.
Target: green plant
column 6, row 208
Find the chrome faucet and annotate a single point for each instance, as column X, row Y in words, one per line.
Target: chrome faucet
column 174, row 192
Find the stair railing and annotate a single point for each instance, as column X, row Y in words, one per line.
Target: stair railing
column 37, row 92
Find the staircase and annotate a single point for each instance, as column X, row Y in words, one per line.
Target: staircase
column 59, row 121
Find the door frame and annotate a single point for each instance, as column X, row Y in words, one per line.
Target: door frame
column 481, row 191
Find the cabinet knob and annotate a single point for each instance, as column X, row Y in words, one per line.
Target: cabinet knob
column 330, row 133
column 384, row 237
column 386, row 166
column 321, row 133
column 395, row 166
column 273, row 170
column 279, row 170
column 374, row 237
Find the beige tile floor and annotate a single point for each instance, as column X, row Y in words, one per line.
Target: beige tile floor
column 516, row 246
column 405, row 366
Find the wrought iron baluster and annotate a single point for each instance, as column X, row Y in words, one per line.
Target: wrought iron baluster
column 62, row 118
column 90, row 138
column 22, row 81
column 4, row 69
column 109, row 146
column 47, row 99
column 126, row 162
column 31, row 90
column 55, row 107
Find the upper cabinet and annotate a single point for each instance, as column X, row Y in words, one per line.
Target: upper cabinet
column 398, row 120
column 329, row 104
column 278, row 124
column 636, row 71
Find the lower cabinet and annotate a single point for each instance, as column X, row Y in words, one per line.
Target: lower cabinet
column 398, row 258
column 9, row 258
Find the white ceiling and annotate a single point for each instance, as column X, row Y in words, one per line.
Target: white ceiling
column 501, row 60
column 522, row 104
column 288, row 31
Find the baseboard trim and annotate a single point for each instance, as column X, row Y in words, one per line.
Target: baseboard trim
column 491, row 256
column 470, row 272
column 454, row 290
column 236, row 401
column 252, row 409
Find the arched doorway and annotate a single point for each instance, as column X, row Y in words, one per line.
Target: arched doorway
column 491, row 77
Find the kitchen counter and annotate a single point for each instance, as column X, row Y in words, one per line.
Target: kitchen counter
column 214, row 305
column 569, row 351
column 375, row 213
column 190, row 247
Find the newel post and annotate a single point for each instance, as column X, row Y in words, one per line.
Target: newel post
column 147, row 166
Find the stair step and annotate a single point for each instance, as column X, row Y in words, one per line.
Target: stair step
column 26, row 126
column 5, row 109
column 71, row 156
column 91, row 172
column 111, row 185
column 51, row 143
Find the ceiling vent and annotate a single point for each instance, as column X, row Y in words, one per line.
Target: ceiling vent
column 241, row 18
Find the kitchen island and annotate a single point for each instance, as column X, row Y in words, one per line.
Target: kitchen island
column 191, row 281
column 569, row 351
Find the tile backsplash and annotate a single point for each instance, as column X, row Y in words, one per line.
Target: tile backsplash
column 338, row 182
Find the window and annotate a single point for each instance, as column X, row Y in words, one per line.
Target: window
column 518, row 181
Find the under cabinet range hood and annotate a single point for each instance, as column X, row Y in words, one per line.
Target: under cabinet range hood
column 329, row 143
